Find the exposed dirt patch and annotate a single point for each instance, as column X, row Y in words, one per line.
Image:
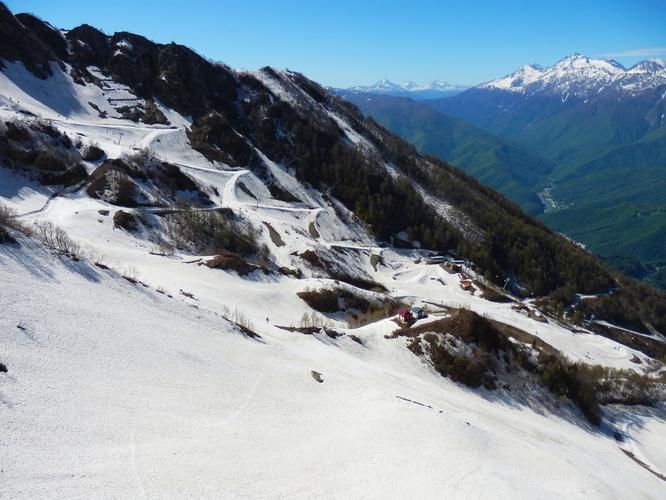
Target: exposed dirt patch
column 246, row 331
column 311, row 330
column 275, row 236
column 312, row 258
column 241, row 185
column 229, row 261
column 357, row 340
column 362, row 283
column 376, row 260
column 312, row 229
column 286, row 271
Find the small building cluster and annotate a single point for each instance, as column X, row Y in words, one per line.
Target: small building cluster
column 466, row 282
column 410, row 315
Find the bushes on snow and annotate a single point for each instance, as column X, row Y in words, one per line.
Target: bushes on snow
column 475, row 351
column 336, row 299
column 40, row 151
column 8, row 221
column 211, row 232
column 57, row 239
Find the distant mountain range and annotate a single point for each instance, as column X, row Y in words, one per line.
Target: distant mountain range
column 599, row 124
column 413, row 90
column 583, row 77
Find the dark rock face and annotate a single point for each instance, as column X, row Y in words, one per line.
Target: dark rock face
column 87, row 47
column 172, row 73
column 47, row 34
column 133, row 61
column 18, row 43
column 192, row 85
column 141, row 180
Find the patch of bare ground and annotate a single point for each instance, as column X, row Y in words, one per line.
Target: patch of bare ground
column 312, row 229
column 275, row 236
column 492, row 294
column 229, row 261
column 361, row 309
column 245, row 189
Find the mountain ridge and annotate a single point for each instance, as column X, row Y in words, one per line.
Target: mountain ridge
column 580, row 76
column 432, row 90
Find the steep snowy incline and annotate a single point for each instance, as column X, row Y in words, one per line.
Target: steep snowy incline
column 113, row 389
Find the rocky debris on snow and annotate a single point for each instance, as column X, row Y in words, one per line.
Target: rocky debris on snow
column 125, row 220
column 229, row 261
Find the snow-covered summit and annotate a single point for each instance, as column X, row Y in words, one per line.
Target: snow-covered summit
column 436, row 88
column 581, row 76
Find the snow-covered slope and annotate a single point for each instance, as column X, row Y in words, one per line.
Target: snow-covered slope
column 113, row 389
column 584, row 77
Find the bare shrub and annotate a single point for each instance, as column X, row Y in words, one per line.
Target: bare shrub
column 313, row 320
column 475, row 351
column 241, row 321
column 57, row 239
column 8, row 220
column 211, row 232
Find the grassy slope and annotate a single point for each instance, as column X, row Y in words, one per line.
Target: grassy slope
column 619, row 206
column 570, row 133
column 504, row 167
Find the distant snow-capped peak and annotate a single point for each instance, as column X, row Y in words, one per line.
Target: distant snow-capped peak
column 408, row 87
column 582, row 76
column 648, row 66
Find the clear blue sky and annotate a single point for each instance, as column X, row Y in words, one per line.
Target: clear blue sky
column 345, row 43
